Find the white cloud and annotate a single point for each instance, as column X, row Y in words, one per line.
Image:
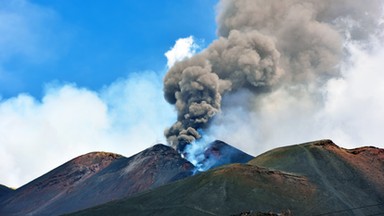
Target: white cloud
column 37, row 136
column 354, row 109
column 184, row 48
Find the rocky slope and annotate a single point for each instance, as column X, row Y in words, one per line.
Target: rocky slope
column 345, row 179
column 4, row 190
column 308, row 179
column 100, row 177
column 41, row 193
column 219, row 153
column 96, row 178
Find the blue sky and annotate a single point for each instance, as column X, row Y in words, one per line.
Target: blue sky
column 92, row 43
column 82, row 76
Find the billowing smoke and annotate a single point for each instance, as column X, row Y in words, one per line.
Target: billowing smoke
column 195, row 86
column 264, row 46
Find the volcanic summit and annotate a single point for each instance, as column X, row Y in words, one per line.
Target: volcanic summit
column 306, row 179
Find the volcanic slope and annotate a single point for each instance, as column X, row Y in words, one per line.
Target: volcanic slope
column 96, row 178
column 308, row 179
column 4, row 190
column 219, row 153
column 345, row 179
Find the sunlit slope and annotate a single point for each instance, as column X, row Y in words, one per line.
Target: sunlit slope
column 345, row 179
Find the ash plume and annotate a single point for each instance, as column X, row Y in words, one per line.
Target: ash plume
column 263, row 45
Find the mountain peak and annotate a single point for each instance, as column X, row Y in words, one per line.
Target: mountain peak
column 314, row 178
column 324, row 142
column 159, row 149
column 219, row 153
column 93, row 158
column 79, row 182
column 161, row 146
column 78, row 169
column 161, row 157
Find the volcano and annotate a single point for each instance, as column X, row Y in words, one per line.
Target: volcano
column 219, row 153
column 316, row 178
column 304, row 179
column 100, row 177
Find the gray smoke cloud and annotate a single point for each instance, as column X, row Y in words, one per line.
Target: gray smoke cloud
column 262, row 46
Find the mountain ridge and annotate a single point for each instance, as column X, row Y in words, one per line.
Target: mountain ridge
column 99, row 177
column 304, row 179
column 95, row 178
column 307, row 179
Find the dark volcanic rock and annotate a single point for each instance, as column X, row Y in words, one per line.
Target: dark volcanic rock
column 4, row 190
column 96, row 178
column 220, row 153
